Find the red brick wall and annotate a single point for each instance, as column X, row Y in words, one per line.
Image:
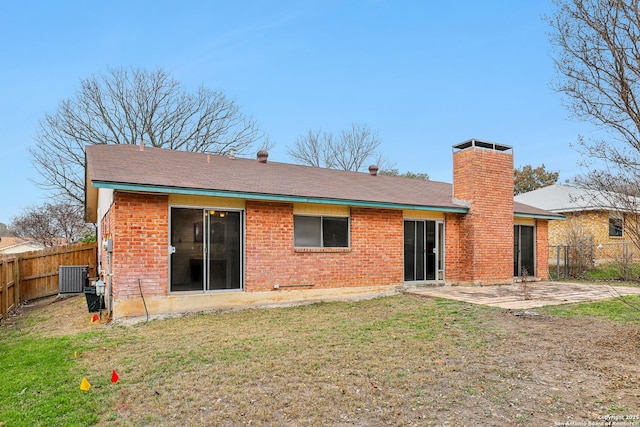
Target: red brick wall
column 479, row 245
column 139, row 227
column 374, row 258
column 456, row 268
column 484, row 178
column 542, row 249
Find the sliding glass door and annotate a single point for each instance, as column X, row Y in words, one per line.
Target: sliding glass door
column 206, row 249
column 423, row 250
column 524, row 257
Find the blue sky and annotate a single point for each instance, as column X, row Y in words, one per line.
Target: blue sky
column 424, row 75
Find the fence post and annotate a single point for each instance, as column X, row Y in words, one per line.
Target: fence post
column 16, row 280
column 2, row 292
column 4, row 289
column 626, row 261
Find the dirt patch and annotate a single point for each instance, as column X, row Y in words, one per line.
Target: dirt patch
column 555, row 369
column 54, row 316
column 390, row 361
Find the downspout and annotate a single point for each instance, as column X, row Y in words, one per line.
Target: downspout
column 107, row 246
column 110, row 275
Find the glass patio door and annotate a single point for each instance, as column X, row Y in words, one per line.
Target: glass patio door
column 423, row 250
column 206, row 249
column 524, row 259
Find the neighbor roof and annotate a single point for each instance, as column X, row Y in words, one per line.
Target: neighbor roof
column 565, row 198
column 128, row 167
column 10, row 245
column 10, row 241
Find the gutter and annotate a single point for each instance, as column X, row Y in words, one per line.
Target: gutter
column 271, row 197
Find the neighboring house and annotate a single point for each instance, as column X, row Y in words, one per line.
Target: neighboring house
column 589, row 215
column 16, row 245
column 184, row 231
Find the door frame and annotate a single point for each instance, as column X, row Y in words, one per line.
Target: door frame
column 438, row 248
column 205, row 248
column 517, row 247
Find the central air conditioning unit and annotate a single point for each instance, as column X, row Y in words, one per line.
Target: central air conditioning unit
column 72, row 279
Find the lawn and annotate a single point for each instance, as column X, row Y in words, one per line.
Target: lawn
column 397, row 360
column 611, row 273
column 615, row 272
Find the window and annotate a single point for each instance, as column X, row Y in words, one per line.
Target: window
column 320, row 232
column 616, row 225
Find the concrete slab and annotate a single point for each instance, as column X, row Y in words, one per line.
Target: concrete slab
column 536, row 294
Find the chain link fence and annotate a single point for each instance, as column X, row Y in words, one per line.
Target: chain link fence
column 615, row 260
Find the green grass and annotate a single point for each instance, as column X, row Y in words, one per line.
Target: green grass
column 605, row 272
column 614, row 272
column 624, row 309
column 41, row 382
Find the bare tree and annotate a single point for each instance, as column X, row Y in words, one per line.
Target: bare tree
column 597, row 57
column 579, row 242
column 4, row 230
column 50, row 223
column 352, row 149
column 312, row 149
column 413, row 175
column 127, row 106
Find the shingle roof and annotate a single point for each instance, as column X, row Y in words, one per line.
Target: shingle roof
column 532, row 211
column 155, row 169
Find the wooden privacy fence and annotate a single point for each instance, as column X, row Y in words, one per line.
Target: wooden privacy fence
column 32, row 275
column 9, row 292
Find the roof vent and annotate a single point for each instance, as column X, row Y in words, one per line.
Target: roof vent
column 141, row 145
column 373, row 170
column 263, row 155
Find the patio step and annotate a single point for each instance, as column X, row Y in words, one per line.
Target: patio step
column 421, row 285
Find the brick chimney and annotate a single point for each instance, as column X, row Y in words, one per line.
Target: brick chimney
column 483, row 178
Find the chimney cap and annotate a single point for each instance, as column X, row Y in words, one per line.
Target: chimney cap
column 476, row 143
column 373, row 170
column 263, row 155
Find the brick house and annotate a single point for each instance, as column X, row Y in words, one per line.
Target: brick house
column 591, row 220
column 581, row 207
column 192, row 231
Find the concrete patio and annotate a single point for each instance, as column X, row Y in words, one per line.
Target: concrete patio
column 538, row 294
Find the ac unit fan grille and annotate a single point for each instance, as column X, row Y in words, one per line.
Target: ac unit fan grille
column 72, row 278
